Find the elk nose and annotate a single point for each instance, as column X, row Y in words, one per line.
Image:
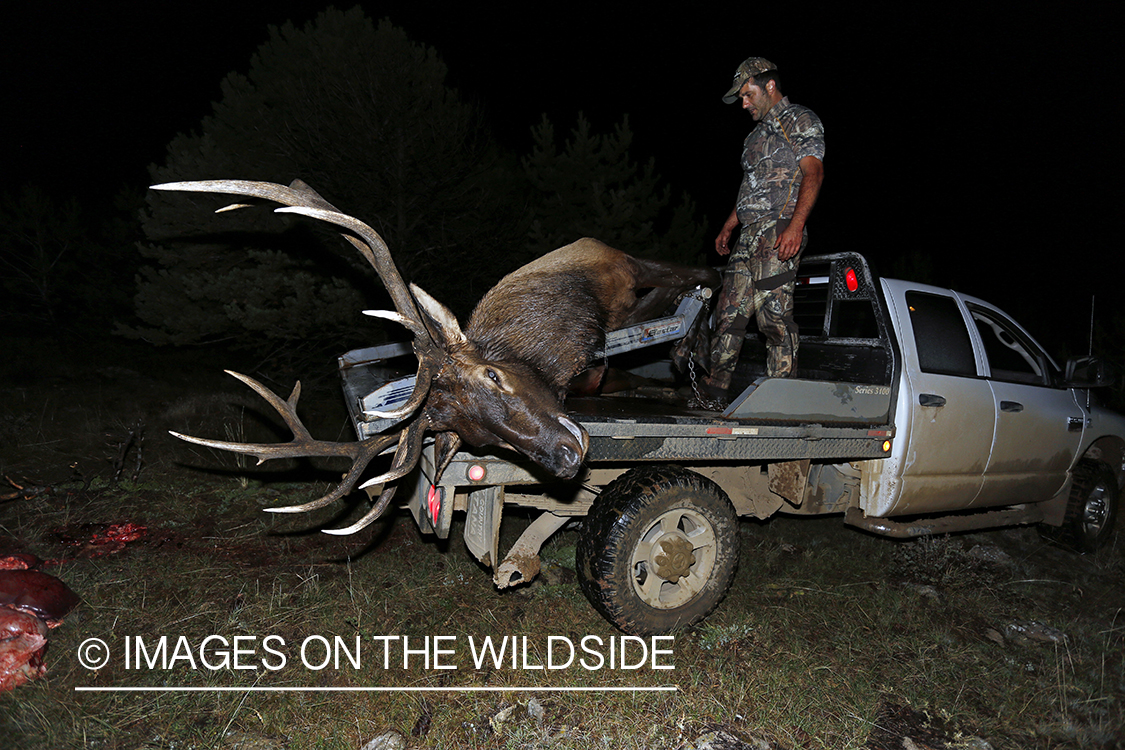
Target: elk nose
column 567, row 462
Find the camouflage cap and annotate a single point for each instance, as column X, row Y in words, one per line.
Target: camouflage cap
column 748, row 69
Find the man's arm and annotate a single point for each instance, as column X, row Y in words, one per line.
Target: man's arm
column 722, row 246
column 789, row 243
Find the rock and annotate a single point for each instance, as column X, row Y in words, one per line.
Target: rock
column 972, row 743
column 990, row 553
column 1028, row 633
column 994, row 635
column 900, row 727
column 387, row 741
column 721, row 739
column 924, row 590
column 501, row 717
column 535, row 711
column 247, row 741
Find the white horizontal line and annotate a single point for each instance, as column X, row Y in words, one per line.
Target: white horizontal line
column 252, row 689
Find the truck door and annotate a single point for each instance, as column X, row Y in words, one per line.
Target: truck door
column 1038, row 425
column 951, row 408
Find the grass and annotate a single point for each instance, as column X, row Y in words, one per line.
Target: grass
column 824, row 627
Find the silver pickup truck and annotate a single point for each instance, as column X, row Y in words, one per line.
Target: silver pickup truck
column 916, row 410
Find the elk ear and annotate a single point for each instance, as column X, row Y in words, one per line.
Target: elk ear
column 441, row 322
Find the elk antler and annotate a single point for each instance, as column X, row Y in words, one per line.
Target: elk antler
column 304, row 445
column 302, row 199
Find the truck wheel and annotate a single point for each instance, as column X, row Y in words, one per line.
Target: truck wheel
column 1091, row 510
column 659, row 551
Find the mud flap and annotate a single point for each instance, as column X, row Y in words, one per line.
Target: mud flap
column 482, row 523
column 789, row 479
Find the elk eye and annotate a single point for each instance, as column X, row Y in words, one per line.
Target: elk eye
column 492, row 374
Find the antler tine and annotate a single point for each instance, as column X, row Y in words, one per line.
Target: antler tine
column 368, row 449
column 409, row 458
column 427, row 367
column 287, row 409
column 303, row 444
column 369, row 517
column 302, row 199
column 414, row 326
column 296, row 194
column 406, row 457
column 427, row 364
column 409, row 448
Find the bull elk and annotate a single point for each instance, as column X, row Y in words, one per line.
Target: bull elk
column 499, row 382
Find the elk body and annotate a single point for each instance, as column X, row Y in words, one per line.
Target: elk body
column 501, row 381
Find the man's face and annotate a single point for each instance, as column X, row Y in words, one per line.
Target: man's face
column 755, row 100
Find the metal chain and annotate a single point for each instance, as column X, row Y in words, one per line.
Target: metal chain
column 699, row 401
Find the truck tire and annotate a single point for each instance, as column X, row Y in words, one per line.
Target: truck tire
column 659, row 551
column 1091, row 510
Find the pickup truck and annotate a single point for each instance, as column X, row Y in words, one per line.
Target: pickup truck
column 915, row 410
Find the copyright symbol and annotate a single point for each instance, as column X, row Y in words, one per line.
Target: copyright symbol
column 93, row 653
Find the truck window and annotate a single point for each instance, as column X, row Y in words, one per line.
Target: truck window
column 855, row 319
column 848, row 318
column 810, row 308
column 1011, row 356
column 940, row 335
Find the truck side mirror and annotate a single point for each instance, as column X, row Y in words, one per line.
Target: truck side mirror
column 1090, row 372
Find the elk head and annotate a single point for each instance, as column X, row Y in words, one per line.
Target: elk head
column 507, row 404
column 459, row 394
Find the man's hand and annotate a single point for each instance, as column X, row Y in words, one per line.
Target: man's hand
column 722, row 242
column 789, row 242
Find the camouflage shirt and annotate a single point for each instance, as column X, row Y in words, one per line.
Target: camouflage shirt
column 770, row 159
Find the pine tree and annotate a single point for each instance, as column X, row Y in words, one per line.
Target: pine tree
column 593, row 188
column 361, row 113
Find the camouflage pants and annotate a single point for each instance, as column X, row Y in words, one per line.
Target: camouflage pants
column 756, row 284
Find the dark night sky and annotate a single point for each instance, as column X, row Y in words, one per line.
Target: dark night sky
column 980, row 137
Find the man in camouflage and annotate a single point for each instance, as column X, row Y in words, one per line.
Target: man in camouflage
column 783, row 164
